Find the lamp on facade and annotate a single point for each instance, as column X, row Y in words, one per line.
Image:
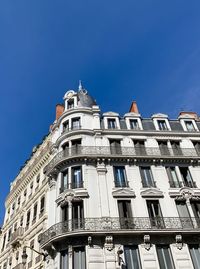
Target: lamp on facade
column 25, row 256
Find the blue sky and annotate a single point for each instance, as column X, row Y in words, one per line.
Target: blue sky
column 147, row 51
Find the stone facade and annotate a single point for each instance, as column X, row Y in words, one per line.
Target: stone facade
column 120, row 192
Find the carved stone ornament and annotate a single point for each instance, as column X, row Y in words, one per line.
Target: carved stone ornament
column 184, row 194
column 151, row 192
column 123, row 192
column 147, row 243
column 52, row 182
column 109, row 243
column 179, row 241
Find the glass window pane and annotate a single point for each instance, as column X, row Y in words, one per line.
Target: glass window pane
column 132, row 258
column 195, row 255
column 164, row 257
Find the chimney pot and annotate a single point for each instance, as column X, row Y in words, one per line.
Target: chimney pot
column 134, row 108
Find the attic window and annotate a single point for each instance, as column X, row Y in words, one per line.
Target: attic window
column 70, row 104
column 112, row 124
column 189, row 125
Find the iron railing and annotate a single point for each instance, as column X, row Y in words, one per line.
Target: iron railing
column 103, row 151
column 17, row 235
column 119, row 224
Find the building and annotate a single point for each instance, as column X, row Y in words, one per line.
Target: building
column 120, row 192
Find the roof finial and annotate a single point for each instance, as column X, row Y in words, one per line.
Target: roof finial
column 80, row 87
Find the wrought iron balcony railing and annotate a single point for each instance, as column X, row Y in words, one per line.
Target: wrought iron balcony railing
column 103, row 151
column 17, row 235
column 108, row 225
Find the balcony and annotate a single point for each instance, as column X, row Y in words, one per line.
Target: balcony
column 17, row 236
column 117, row 225
column 128, row 152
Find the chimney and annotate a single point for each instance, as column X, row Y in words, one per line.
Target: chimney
column 192, row 114
column 59, row 110
column 134, row 108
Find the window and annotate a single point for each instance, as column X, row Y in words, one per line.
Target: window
column 64, row 260
column 162, row 125
column 64, row 181
column 76, row 146
column 134, row 124
column 196, row 145
column 77, row 177
column 65, row 213
column 112, row 124
column 79, row 261
column 15, row 227
column 77, row 215
column 115, row 147
column 155, row 214
column 42, row 204
column 195, row 255
column 25, row 193
column 189, row 125
column 187, row 178
column 196, row 209
column 132, row 257
column 76, row 123
column 139, row 147
column 38, row 178
column 9, row 234
column 35, row 212
column 19, row 200
column 66, row 126
column 185, row 220
column 13, row 206
column 21, row 221
column 147, row 177
column 4, row 242
column 173, row 178
column 165, row 257
column 176, row 148
column 164, row 150
column 28, row 218
column 70, row 104
column 125, row 214
column 120, row 176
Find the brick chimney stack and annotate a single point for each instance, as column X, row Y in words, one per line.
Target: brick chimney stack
column 59, row 110
column 134, row 108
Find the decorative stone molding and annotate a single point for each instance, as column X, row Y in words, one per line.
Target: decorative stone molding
column 185, row 193
column 179, row 241
column 159, row 115
column 101, row 168
column 109, row 243
column 151, row 192
column 110, row 114
column 147, row 243
column 123, row 192
column 71, row 195
column 52, row 183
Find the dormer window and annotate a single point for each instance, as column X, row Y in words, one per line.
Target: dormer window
column 189, row 125
column 70, row 103
column 134, row 124
column 162, row 125
column 112, row 124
